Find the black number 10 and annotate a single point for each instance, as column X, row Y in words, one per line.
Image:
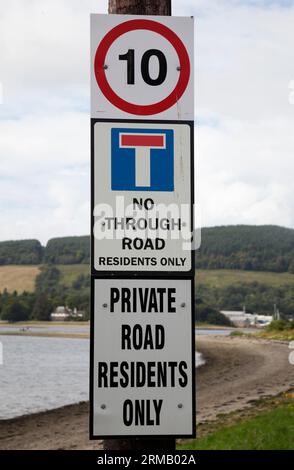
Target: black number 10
column 130, row 58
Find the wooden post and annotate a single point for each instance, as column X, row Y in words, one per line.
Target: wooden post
column 140, row 7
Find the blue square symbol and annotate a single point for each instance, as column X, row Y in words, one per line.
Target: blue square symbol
column 142, row 159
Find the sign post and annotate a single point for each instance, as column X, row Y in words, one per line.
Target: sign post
column 142, row 264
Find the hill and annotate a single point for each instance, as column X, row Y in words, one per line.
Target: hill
column 222, row 278
column 247, row 247
column 22, row 278
column 68, row 250
column 242, row 247
column 18, row 278
column 21, row 252
column 63, row 250
column 259, row 292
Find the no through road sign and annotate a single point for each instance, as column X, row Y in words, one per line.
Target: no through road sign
column 142, row 194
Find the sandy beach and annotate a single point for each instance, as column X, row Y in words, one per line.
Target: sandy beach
column 237, row 372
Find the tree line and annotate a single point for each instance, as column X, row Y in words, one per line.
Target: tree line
column 255, row 296
column 246, row 247
column 66, row 250
column 50, row 292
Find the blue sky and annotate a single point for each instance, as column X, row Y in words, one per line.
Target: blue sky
column 244, row 120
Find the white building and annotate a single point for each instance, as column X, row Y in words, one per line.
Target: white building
column 64, row 313
column 243, row 319
column 61, row 313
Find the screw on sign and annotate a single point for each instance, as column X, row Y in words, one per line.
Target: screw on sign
column 139, row 80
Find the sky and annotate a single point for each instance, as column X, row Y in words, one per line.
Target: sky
column 244, row 139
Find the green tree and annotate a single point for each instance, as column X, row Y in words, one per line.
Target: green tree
column 206, row 314
column 42, row 307
column 15, row 311
column 68, row 250
column 21, row 252
column 48, row 280
column 291, row 267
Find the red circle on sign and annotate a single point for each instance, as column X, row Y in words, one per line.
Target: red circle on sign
column 106, row 89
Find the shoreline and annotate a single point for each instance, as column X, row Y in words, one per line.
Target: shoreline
column 237, row 373
column 38, row 334
column 15, row 329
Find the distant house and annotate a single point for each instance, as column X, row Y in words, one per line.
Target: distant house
column 244, row 320
column 61, row 314
column 238, row 318
column 64, row 313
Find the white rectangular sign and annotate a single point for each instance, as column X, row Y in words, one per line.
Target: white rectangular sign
column 142, row 358
column 142, row 67
column 142, row 201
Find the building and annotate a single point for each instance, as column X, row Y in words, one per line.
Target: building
column 247, row 320
column 61, row 313
column 64, row 313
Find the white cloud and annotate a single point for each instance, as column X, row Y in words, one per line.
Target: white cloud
column 45, row 176
column 245, row 172
column 46, row 43
column 244, row 140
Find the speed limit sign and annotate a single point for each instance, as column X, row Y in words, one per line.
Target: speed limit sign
column 142, row 67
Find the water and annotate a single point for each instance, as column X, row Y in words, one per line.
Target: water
column 42, row 373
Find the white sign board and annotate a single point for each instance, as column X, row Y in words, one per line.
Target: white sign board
column 142, row 201
column 142, row 358
column 142, row 67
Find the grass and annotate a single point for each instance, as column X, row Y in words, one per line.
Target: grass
column 18, row 278
column 237, row 333
column 22, row 278
column 286, row 335
column 270, row 429
column 227, row 277
column 278, row 330
column 70, row 272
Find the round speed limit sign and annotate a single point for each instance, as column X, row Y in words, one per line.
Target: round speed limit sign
column 142, row 67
